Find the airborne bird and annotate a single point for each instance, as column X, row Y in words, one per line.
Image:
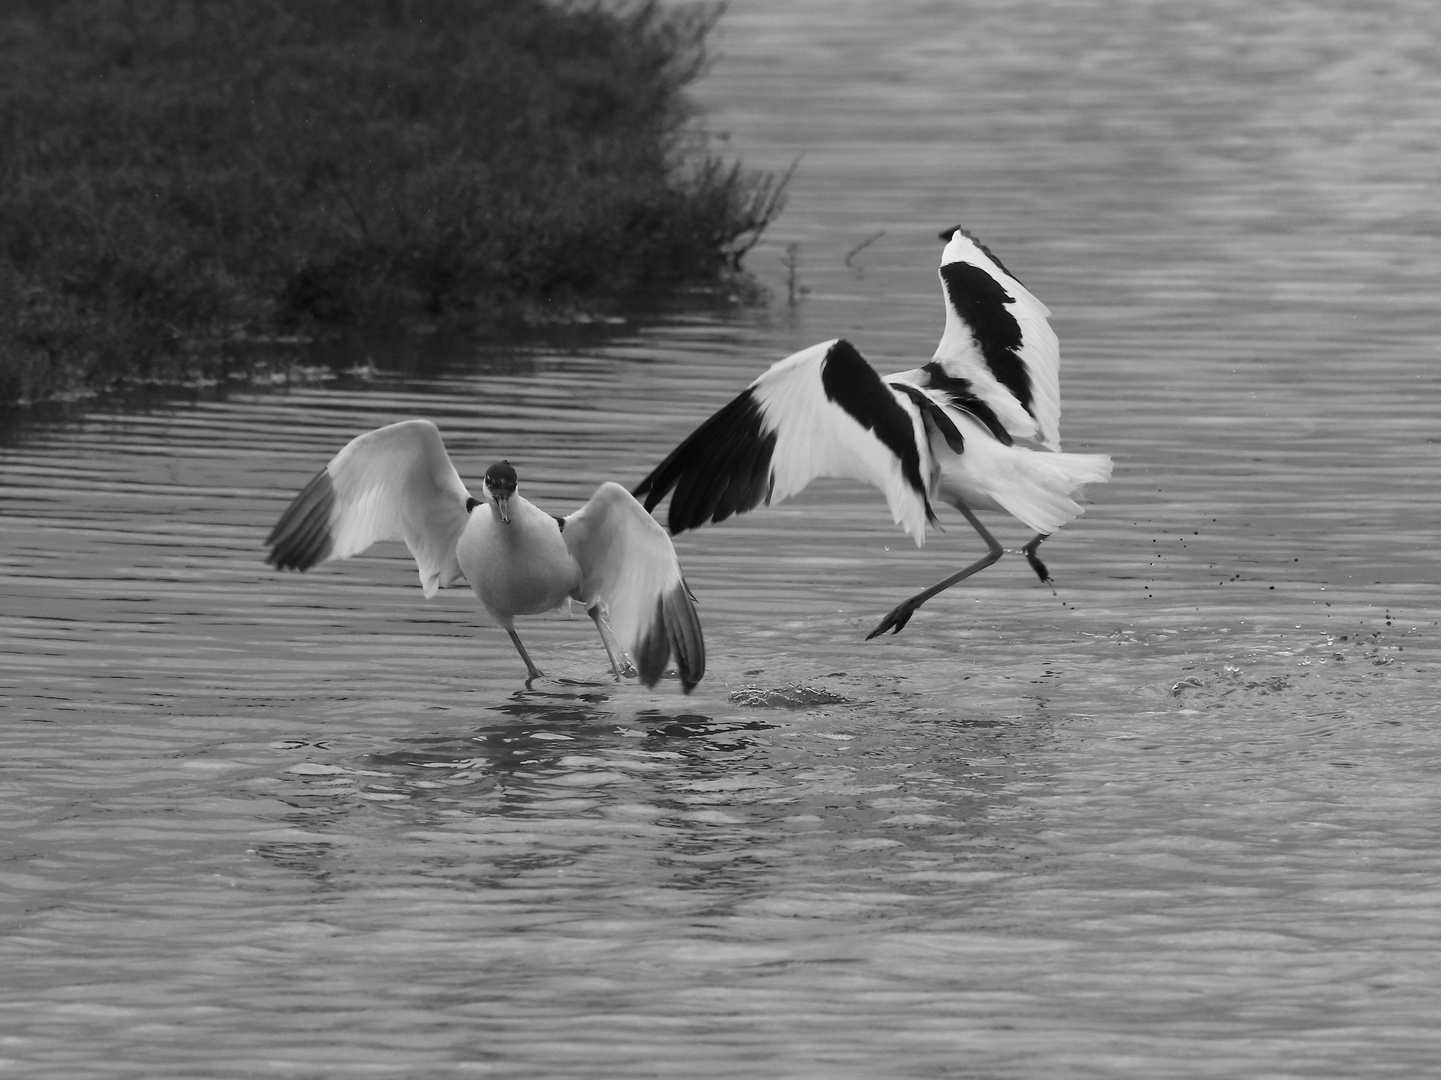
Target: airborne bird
column 977, row 427
column 397, row 482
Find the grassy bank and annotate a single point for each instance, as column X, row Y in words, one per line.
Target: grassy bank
column 181, row 173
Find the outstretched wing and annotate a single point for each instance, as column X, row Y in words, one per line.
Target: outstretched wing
column 628, row 565
column 396, row 482
column 821, row 412
column 998, row 347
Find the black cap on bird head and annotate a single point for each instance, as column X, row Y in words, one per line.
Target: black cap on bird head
column 946, row 234
column 500, row 481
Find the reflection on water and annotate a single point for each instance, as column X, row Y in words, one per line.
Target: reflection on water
column 1175, row 818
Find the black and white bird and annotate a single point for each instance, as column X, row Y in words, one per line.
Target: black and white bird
column 977, row 427
column 397, row 482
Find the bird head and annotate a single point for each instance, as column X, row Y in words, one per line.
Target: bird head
column 500, row 481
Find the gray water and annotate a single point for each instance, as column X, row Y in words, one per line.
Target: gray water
column 1178, row 817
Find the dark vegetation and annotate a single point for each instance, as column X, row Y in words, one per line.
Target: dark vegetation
column 176, row 175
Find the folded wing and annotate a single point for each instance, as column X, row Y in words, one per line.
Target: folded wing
column 628, row 565
column 822, row 412
column 394, row 483
column 998, row 346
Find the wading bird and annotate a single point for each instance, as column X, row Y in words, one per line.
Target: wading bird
column 397, row 482
column 977, row 427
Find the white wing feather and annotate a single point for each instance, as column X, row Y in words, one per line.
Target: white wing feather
column 398, row 483
column 628, row 565
column 626, row 560
column 815, row 437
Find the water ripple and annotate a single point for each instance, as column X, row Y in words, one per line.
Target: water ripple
column 1176, row 817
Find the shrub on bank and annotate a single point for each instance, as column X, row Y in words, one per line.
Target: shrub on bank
column 177, row 173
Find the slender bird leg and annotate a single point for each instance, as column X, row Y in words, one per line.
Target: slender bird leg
column 622, row 667
column 1029, row 551
column 903, row 611
column 535, row 672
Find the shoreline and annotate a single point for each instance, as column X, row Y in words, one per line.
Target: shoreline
column 184, row 180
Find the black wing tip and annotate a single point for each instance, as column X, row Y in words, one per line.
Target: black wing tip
column 686, row 640
column 721, row 468
column 675, row 630
column 301, row 538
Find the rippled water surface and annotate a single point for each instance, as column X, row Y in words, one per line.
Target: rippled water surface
column 1178, row 817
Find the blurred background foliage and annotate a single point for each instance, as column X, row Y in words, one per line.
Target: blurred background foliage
column 182, row 173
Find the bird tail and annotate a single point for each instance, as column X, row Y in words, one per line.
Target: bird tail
column 1042, row 487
